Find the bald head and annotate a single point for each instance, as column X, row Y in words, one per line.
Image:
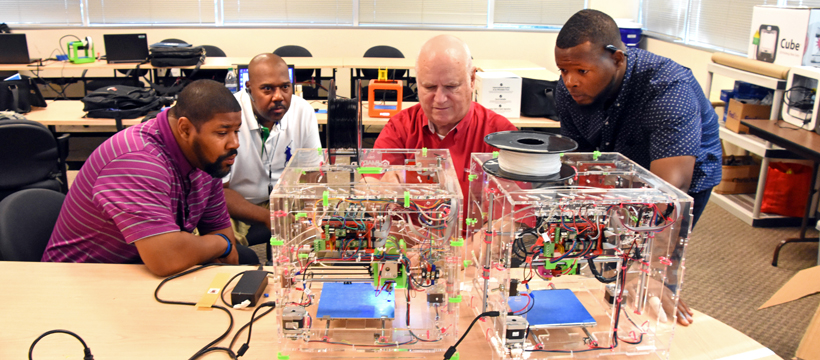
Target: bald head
column 445, row 49
column 445, row 75
column 269, row 88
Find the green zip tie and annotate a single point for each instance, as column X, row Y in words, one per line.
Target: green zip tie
column 471, row 221
column 303, row 256
column 280, row 356
column 369, row 170
column 325, row 196
column 319, row 150
column 406, row 199
column 467, row 263
column 471, row 177
column 561, row 155
column 495, row 154
column 459, row 242
column 276, row 242
column 424, row 151
column 455, row 300
column 300, row 215
column 596, row 154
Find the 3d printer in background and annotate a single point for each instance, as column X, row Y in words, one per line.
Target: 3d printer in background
column 799, row 106
column 785, row 36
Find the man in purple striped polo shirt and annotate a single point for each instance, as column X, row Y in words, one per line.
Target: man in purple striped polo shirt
column 143, row 191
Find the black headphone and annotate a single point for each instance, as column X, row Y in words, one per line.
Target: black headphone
column 611, row 48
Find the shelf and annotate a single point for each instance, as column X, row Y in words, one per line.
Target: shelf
column 755, row 145
column 740, row 205
column 760, row 80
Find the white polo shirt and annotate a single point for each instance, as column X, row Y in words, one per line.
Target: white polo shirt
column 254, row 169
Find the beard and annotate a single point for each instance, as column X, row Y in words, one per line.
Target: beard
column 215, row 169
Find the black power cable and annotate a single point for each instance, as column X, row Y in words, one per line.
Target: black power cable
column 249, row 325
column 207, row 348
column 452, row 349
column 86, row 349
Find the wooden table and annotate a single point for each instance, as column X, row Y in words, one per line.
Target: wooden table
column 113, row 309
column 801, row 142
column 69, row 115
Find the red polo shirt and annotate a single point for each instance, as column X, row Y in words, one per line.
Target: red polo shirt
column 409, row 129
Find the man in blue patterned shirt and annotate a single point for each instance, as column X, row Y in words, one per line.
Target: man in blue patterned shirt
column 644, row 106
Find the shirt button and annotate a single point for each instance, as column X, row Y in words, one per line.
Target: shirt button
column 617, row 104
column 607, row 143
column 606, row 123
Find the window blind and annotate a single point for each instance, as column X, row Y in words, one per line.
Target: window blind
column 106, row 12
column 535, row 12
column 423, row 12
column 722, row 24
column 41, row 12
column 338, row 12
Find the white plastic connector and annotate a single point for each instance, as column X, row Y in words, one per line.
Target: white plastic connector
column 242, row 305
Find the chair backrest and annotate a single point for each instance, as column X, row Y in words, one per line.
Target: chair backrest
column 213, row 51
column 28, row 153
column 27, row 219
column 296, row 51
column 383, row 51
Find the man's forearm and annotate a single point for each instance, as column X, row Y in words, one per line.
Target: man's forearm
column 171, row 253
column 244, row 210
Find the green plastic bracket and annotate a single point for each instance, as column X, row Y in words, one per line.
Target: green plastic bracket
column 300, row 215
column 406, row 199
column 325, row 196
column 455, row 300
column 303, row 256
column 424, row 151
column 369, row 170
column 319, row 150
column 565, row 262
column 471, row 221
column 459, row 242
column 596, row 154
column 467, row 263
column 280, row 356
column 276, row 242
column 561, row 155
column 471, row 177
column 495, row 154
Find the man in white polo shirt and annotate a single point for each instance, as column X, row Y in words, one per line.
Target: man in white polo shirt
column 274, row 124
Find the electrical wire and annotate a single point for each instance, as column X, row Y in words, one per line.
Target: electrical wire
column 452, row 349
column 86, row 349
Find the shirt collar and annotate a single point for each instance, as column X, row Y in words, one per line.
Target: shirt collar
column 170, row 144
column 458, row 128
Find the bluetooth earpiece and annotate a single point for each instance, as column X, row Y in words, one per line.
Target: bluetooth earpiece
column 611, row 48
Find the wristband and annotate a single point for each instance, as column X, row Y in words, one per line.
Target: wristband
column 230, row 245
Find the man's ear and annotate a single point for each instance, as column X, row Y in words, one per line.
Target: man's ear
column 619, row 57
column 185, row 128
column 472, row 77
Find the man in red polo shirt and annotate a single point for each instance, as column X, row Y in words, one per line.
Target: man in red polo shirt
column 445, row 117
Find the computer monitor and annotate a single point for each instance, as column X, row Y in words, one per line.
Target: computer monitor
column 125, row 48
column 14, row 49
column 243, row 75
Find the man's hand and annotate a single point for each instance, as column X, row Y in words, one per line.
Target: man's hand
column 242, row 209
column 169, row 253
column 684, row 312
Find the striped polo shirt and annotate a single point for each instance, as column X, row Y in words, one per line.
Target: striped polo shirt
column 137, row 184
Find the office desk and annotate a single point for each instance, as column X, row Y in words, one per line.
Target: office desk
column 112, row 308
column 801, row 142
column 70, row 113
column 520, row 122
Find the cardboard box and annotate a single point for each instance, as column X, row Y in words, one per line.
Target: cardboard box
column 785, row 35
column 738, row 110
column 738, row 179
column 499, row 92
column 806, row 282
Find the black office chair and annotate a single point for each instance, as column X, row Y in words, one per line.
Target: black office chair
column 31, row 157
column 310, row 92
column 216, row 75
column 27, row 219
column 384, row 51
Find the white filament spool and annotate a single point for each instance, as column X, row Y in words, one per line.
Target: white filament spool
column 529, row 164
column 529, row 156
